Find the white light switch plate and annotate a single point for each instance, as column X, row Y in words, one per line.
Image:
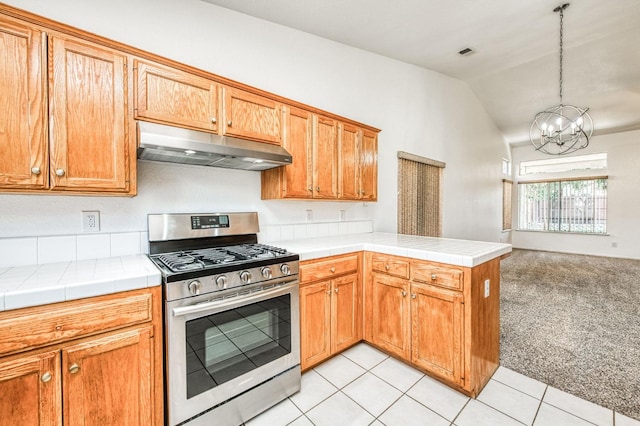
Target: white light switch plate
column 486, row 288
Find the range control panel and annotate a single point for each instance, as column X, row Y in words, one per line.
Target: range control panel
column 206, row 222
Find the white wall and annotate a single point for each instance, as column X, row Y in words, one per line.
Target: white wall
column 419, row 111
column 623, row 202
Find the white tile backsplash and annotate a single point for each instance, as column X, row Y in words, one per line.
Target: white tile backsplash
column 275, row 233
column 93, row 246
column 57, row 249
column 18, row 251
column 125, row 243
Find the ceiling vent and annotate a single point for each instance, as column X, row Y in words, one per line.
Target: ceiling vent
column 466, row 51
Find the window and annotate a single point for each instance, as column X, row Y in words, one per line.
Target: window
column 506, row 167
column 565, row 164
column 569, row 205
column 507, row 187
column 419, row 197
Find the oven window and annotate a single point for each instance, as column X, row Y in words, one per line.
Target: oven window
column 223, row 346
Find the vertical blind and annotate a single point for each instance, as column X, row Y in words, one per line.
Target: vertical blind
column 419, row 195
column 507, row 187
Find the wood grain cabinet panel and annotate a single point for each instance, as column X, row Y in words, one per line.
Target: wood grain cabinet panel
column 441, row 276
column 250, row 116
column 348, row 162
column 23, row 144
column 436, row 331
column 109, row 381
column 368, row 156
column 88, row 108
column 390, row 315
column 330, row 307
column 170, row 96
column 30, row 388
column 325, row 138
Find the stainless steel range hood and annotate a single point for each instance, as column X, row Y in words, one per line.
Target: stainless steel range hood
column 157, row 142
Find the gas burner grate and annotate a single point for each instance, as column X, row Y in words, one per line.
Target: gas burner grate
column 180, row 261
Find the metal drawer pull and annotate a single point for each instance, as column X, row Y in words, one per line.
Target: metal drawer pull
column 214, row 120
column 433, row 276
column 332, row 270
column 404, row 293
column 229, row 123
column 46, row 377
column 60, row 172
column 35, row 170
column 74, row 368
column 386, row 267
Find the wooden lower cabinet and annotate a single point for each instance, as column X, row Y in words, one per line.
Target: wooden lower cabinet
column 108, row 378
column 436, row 331
column 330, row 307
column 390, row 315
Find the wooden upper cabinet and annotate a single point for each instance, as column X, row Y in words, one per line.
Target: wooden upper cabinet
column 368, row 160
column 325, row 138
column 171, row 96
column 30, row 388
column 89, row 145
column 348, row 162
column 109, row 380
column 250, row 116
column 23, row 138
column 298, row 177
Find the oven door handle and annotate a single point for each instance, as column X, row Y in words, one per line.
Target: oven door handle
column 218, row 304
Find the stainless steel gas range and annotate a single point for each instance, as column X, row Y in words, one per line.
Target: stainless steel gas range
column 232, row 333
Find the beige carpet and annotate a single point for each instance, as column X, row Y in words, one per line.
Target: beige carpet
column 573, row 322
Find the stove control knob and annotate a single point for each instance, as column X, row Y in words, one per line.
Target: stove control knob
column 194, row 287
column 245, row 277
column 284, row 268
column 266, row 272
column 221, row 282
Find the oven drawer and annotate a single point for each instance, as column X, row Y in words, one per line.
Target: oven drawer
column 315, row 270
column 30, row 328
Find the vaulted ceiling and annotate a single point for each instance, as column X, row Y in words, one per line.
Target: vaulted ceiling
column 514, row 69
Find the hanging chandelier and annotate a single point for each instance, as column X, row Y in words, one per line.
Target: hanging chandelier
column 562, row 129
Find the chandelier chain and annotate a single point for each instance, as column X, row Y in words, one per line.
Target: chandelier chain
column 561, row 45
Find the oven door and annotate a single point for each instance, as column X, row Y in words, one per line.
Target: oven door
column 218, row 348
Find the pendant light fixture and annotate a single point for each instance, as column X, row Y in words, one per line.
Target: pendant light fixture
column 562, row 129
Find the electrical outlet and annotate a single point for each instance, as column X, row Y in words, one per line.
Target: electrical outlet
column 343, row 215
column 309, row 216
column 90, row 221
column 486, row 287
column 614, row 244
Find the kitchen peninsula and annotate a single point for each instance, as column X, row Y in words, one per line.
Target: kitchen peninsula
column 431, row 302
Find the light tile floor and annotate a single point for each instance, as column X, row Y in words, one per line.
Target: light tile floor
column 363, row 386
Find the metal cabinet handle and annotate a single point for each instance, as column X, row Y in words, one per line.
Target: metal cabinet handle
column 310, row 188
column 336, row 290
column 60, row 172
column 404, row 293
column 318, row 188
column 35, row 170
column 386, row 267
column 74, row 368
column 214, row 120
column 332, row 270
column 413, row 295
column 229, row 123
column 329, row 292
column 433, row 276
column 46, row 377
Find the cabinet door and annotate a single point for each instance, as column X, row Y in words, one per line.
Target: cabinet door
column 174, row 97
column 251, row 116
column 324, row 158
column 30, row 389
column 348, row 162
column 298, row 175
column 88, row 135
column 391, row 326
column 346, row 313
column 108, row 380
column 23, row 143
column 315, row 320
column 436, row 331
column 369, row 166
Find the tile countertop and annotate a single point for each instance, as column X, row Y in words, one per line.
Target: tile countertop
column 443, row 250
column 34, row 285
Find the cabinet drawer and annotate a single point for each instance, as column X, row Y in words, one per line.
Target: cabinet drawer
column 46, row 325
column 328, row 268
column 437, row 275
column 390, row 266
